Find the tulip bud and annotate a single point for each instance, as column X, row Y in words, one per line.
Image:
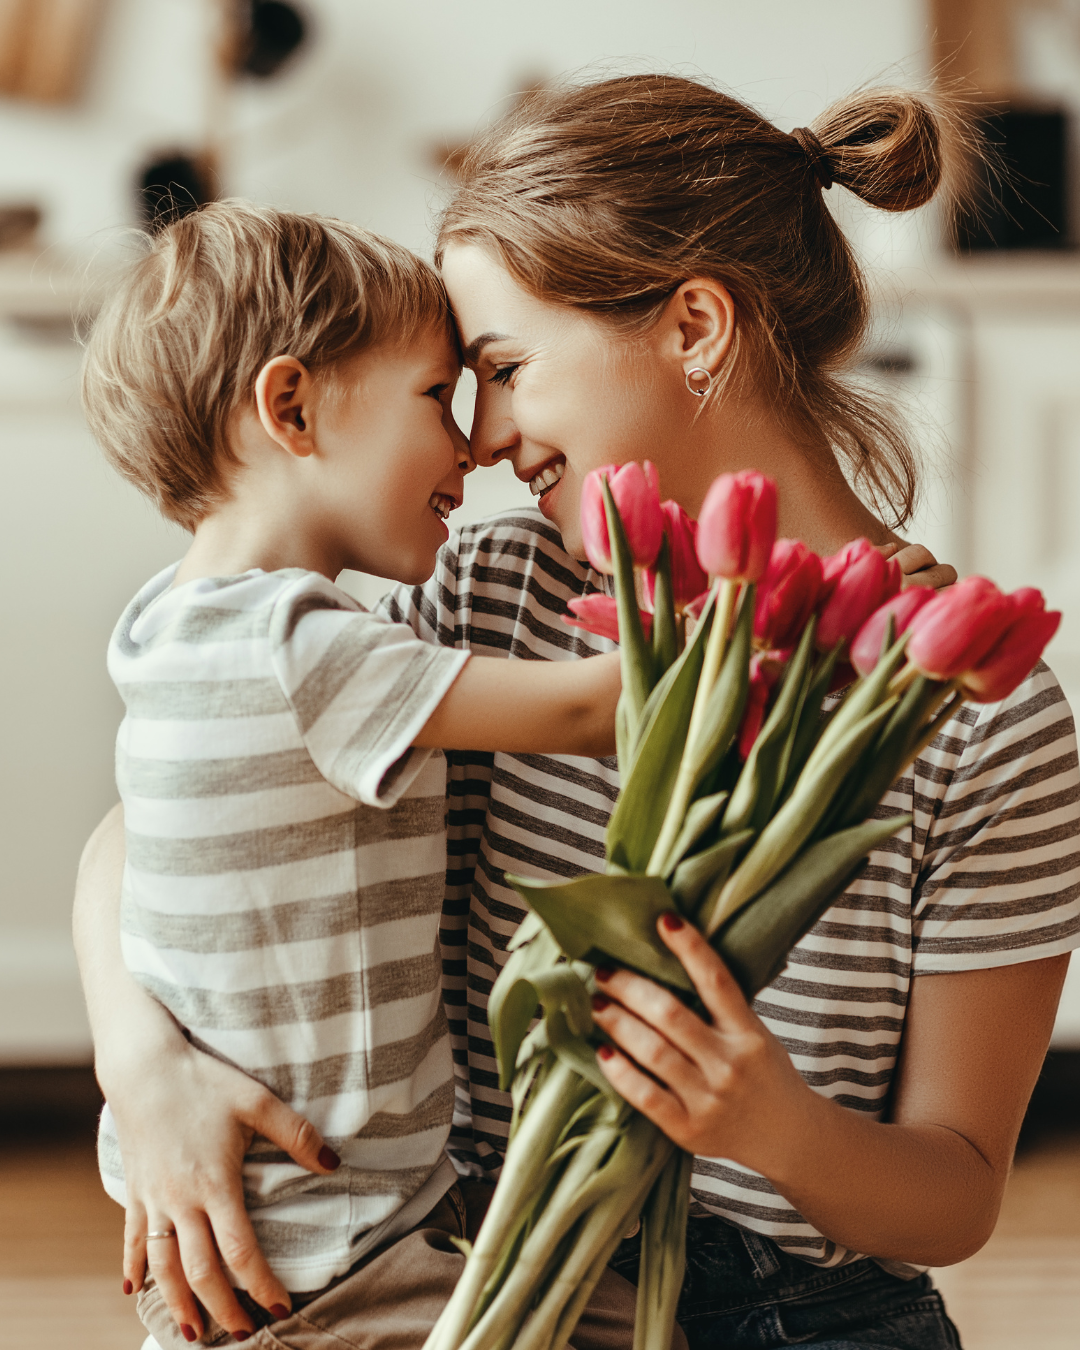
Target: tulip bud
column 599, row 614
column 856, row 580
column 765, row 669
column 786, row 594
column 737, row 526
column 1014, row 655
column 687, row 579
column 636, row 491
column 866, row 648
column 958, row 628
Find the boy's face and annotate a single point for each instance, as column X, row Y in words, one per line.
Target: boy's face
column 394, row 460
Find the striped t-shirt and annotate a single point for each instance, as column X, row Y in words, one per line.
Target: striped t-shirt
column 283, row 885
column 987, row 875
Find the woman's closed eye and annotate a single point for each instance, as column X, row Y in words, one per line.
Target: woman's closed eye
column 503, row 374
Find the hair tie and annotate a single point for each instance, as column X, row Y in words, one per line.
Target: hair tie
column 816, row 156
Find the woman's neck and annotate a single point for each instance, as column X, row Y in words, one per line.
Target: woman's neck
column 816, row 502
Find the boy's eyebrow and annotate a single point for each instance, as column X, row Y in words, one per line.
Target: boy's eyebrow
column 477, row 345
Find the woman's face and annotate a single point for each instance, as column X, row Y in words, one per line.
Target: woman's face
column 558, row 392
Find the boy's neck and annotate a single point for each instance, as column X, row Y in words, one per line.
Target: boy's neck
column 240, row 535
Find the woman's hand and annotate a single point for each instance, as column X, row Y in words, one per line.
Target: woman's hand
column 716, row 1089
column 184, row 1119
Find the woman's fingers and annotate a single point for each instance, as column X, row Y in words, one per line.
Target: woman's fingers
column 716, row 986
column 134, row 1247
column 241, row 1253
column 167, row 1271
column 655, row 1102
column 293, row 1133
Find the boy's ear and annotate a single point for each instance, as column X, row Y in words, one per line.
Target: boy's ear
column 700, row 324
column 283, row 398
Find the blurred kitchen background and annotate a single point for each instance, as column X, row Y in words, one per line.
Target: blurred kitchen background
column 358, row 110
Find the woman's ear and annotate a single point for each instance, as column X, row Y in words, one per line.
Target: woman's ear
column 283, row 398
column 700, row 325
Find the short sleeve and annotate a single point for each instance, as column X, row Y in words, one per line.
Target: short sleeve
column 361, row 688
column 1000, row 877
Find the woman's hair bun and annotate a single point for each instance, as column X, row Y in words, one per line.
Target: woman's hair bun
column 886, row 146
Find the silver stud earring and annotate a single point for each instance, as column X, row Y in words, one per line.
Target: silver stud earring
column 694, row 378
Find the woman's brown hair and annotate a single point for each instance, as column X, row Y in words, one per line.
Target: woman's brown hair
column 608, row 196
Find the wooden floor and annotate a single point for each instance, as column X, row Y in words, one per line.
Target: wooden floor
column 60, row 1242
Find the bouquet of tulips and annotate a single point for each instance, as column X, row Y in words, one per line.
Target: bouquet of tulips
column 748, row 805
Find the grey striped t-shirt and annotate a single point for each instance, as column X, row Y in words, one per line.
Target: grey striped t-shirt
column 988, row 874
column 284, row 879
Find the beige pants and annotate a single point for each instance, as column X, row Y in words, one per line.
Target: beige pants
column 390, row 1300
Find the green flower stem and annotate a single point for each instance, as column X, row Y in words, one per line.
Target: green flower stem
column 690, row 764
column 663, row 1254
column 585, row 1183
column 646, row 1152
column 561, row 1093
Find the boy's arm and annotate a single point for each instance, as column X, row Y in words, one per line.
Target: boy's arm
column 184, row 1119
column 529, row 707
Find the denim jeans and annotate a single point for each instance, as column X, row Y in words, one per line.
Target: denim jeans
column 741, row 1292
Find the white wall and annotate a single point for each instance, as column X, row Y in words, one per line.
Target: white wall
column 350, row 131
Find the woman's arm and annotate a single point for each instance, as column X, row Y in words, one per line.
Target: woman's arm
column 184, row 1120
column 529, row 707
column 923, row 1188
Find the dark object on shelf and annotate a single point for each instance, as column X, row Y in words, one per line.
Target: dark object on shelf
column 1055, row 1104
column 171, row 187
column 18, row 225
column 1021, row 203
column 48, row 1101
column 270, row 33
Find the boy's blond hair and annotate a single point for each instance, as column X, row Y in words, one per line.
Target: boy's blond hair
column 179, row 345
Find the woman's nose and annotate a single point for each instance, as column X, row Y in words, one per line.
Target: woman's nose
column 493, row 433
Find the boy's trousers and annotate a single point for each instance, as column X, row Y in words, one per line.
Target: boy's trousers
column 391, row 1299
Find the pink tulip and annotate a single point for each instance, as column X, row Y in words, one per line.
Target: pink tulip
column 765, row 670
column 737, row 526
column 787, row 594
column 1014, row 655
column 636, row 491
column 599, row 614
column 958, row 628
column 687, row 579
column 856, row 581
column 866, row 648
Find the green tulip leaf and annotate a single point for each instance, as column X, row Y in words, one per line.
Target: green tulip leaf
column 755, row 942
column 727, row 701
column 648, row 779
column 755, row 793
column 514, row 996
column 811, row 725
column 793, row 825
column 699, row 821
column 608, row 919
column 636, row 656
column 695, row 877
column 665, row 639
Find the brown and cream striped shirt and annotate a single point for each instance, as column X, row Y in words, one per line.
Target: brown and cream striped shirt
column 284, row 880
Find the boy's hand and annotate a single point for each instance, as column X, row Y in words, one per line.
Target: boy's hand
column 919, row 566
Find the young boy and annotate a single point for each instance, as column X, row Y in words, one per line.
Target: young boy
column 280, row 385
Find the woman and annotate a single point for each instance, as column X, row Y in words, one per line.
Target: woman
column 645, row 268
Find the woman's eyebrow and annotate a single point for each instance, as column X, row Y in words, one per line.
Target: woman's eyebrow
column 477, row 345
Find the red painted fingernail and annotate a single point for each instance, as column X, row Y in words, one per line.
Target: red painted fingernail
column 604, row 1052
column 279, row 1311
column 328, row 1158
column 600, row 1002
column 240, row 1335
column 187, row 1332
column 604, row 973
column 128, row 1286
column 672, row 922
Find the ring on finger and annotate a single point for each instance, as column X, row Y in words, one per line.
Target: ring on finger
column 161, row 1233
